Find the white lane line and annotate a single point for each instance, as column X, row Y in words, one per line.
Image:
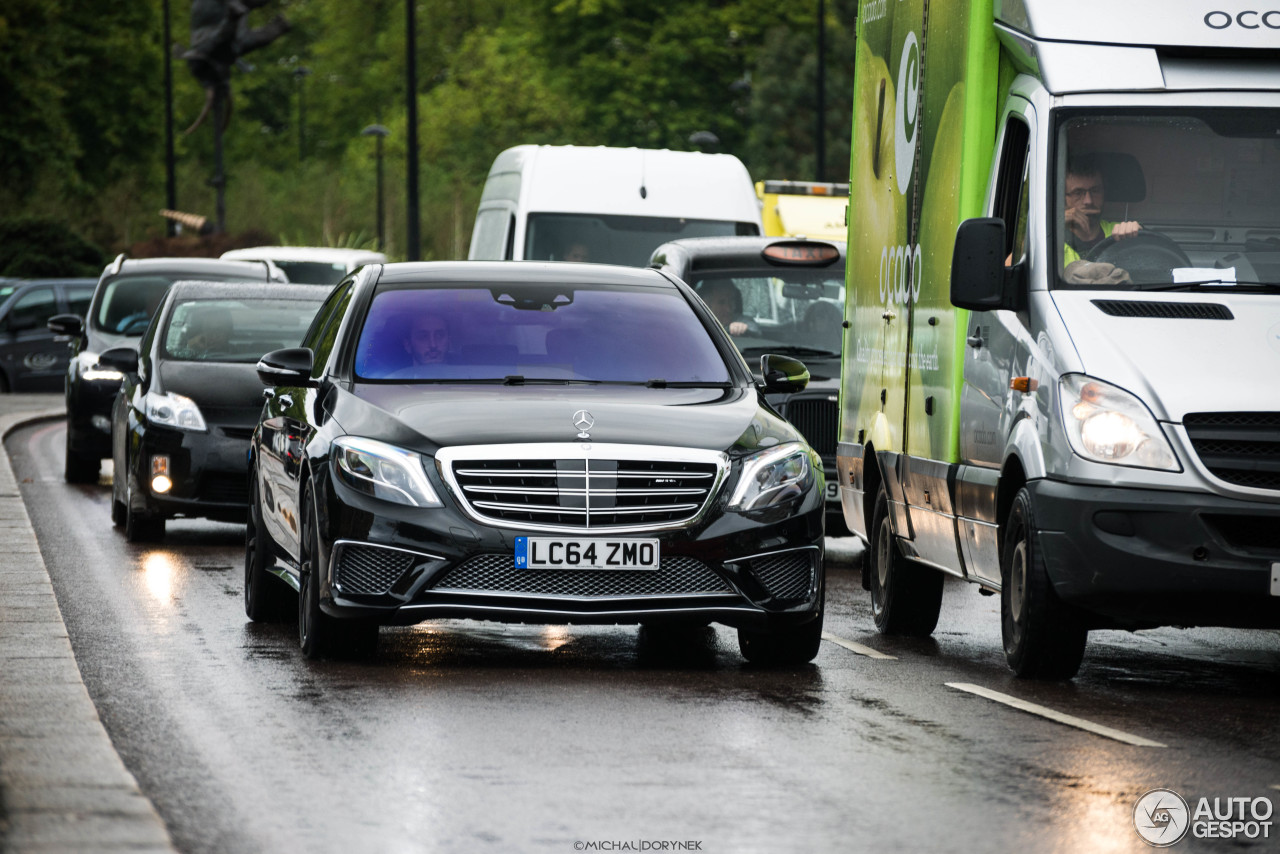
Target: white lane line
column 1059, row 717
column 857, row 647
column 1276, row 786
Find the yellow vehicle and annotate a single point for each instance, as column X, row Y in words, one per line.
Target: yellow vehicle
column 804, row 209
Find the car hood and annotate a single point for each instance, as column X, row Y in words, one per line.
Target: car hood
column 227, row 393
column 433, row 416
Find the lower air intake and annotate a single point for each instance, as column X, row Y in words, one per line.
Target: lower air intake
column 785, row 576
column 498, row 574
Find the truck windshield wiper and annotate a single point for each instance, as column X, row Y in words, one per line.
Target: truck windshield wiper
column 1214, row 285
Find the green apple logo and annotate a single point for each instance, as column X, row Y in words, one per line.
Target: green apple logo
column 905, row 136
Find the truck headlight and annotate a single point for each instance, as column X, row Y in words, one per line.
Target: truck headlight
column 384, row 471
column 1107, row 424
column 773, row 477
column 174, row 410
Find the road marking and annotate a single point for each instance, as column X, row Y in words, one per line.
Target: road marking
column 857, row 647
column 1059, row 717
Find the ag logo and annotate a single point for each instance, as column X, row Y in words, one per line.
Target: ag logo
column 906, row 125
column 1161, row 817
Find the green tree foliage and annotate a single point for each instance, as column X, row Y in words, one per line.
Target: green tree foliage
column 37, row 248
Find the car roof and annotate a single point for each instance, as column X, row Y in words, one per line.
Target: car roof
column 196, row 289
column 516, row 273
column 712, row 253
column 307, row 253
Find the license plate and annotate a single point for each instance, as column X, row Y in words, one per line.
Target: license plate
column 558, row 553
column 833, row 491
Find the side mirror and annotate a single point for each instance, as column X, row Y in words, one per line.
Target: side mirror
column 122, row 359
column 980, row 281
column 71, row 325
column 288, row 367
column 783, row 374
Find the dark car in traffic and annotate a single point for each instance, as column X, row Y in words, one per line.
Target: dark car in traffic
column 780, row 295
column 190, row 398
column 32, row 357
column 530, row 442
column 123, row 301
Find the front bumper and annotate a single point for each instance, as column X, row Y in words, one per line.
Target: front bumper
column 209, row 471
column 401, row 565
column 1137, row 557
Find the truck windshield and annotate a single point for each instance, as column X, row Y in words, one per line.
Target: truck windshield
column 1169, row 200
column 616, row 239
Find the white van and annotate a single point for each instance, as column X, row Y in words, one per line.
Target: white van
column 608, row 205
column 309, row 265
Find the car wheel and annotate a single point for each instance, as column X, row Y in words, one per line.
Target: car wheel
column 320, row 635
column 906, row 597
column 790, row 646
column 266, row 599
column 138, row 527
column 78, row 468
column 1043, row 637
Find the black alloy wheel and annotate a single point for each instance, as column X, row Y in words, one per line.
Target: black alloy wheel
column 77, row 468
column 320, row 635
column 266, row 599
column 790, row 646
column 906, row 597
column 1043, row 637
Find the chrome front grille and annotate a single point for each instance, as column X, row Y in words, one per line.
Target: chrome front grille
column 498, row 574
column 786, row 576
column 562, row 487
column 370, row 570
column 1239, row 447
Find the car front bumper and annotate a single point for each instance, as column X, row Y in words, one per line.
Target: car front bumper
column 209, row 471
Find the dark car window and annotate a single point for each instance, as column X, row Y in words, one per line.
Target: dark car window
column 128, row 302
column 322, row 343
column 313, row 272
column 78, row 300
column 32, row 310
column 615, row 239
column 601, row 333
column 786, row 305
column 234, row 330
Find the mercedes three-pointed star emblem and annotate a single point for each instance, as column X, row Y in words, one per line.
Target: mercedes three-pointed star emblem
column 583, row 421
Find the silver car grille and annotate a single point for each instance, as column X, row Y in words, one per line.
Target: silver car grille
column 498, row 574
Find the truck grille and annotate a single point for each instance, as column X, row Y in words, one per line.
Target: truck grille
column 498, row 574
column 818, row 420
column 1242, row 448
column 785, row 576
column 585, row 493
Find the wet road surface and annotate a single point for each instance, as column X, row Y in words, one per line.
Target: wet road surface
column 469, row 736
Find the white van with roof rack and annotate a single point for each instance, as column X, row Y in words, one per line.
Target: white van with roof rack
column 608, row 205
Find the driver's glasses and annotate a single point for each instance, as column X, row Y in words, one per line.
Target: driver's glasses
column 1079, row 193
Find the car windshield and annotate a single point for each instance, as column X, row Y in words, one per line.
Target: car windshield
column 1169, row 200
column 128, row 302
column 313, row 272
column 235, row 330
column 529, row 333
column 603, row 239
column 780, row 309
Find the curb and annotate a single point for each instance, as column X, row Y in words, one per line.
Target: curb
column 63, row 786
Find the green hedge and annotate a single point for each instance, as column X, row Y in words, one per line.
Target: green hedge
column 32, row 248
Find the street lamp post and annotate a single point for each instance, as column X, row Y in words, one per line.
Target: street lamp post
column 411, row 81
column 378, row 132
column 300, row 74
column 170, row 182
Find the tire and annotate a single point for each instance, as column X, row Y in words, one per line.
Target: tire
column 1043, row 637
column 906, row 597
column 790, row 646
column 266, row 599
column 320, row 635
column 78, row 468
column 140, row 528
column 118, row 511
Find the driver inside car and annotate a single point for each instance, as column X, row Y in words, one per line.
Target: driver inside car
column 1085, row 193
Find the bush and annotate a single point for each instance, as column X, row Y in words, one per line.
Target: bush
column 32, row 248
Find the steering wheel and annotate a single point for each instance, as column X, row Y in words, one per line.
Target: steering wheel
column 1148, row 256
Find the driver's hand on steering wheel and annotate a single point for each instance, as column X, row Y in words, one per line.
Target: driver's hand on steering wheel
column 737, row 328
column 1121, row 230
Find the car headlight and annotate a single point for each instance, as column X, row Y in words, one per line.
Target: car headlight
column 385, row 471
column 174, row 410
column 1107, row 424
column 773, row 477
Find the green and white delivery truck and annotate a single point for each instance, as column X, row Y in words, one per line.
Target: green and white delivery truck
column 1062, row 350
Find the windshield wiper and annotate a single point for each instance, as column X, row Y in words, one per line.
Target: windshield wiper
column 1213, row 285
column 661, row 383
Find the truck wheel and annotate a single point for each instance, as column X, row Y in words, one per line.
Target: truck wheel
column 906, row 597
column 1043, row 638
column 266, row 599
column 790, row 646
column 78, row 468
column 320, row 635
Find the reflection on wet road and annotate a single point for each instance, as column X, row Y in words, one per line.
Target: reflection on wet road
column 467, row 736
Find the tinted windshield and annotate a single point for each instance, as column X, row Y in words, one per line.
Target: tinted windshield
column 600, row 333
column 792, row 307
column 626, row 240
column 129, row 301
column 1171, row 200
column 313, row 272
column 235, row 330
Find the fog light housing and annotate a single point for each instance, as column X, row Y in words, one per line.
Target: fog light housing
column 160, row 481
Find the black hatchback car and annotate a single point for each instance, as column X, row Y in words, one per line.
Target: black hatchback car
column 32, row 358
column 530, row 442
column 778, row 295
column 126, row 295
column 190, row 399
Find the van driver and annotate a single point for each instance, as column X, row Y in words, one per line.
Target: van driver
column 1085, row 194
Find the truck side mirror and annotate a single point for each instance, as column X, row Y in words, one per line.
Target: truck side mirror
column 980, row 281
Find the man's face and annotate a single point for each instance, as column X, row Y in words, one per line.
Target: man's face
column 577, row 252
column 428, row 340
column 1086, row 194
column 721, row 304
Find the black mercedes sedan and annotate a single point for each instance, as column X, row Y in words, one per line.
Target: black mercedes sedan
column 530, row 442
column 190, row 398
column 781, row 295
